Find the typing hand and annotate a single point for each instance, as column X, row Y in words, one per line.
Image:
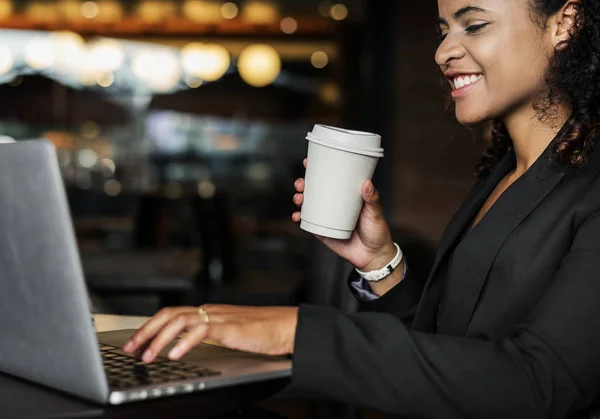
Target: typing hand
column 264, row 330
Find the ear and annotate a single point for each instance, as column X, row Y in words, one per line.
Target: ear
column 565, row 21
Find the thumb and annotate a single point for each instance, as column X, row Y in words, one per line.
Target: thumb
column 371, row 197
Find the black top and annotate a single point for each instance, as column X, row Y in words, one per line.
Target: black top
column 519, row 325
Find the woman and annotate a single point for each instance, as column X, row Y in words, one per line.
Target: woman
column 506, row 325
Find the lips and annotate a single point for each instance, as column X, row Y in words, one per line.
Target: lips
column 461, row 80
column 466, row 89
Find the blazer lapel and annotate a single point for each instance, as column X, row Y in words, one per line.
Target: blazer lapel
column 468, row 277
column 461, row 219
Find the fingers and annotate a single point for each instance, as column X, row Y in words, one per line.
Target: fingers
column 152, row 327
column 194, row 337
column 304, row 162
column 169, row 333
column 299, row 185
column 215, row 332
column 169, row 323
column 298, row 199
column 186, row 321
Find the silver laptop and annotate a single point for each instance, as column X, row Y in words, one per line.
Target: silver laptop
column 46, row 332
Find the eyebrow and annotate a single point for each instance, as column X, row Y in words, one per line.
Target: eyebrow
column 462, row 12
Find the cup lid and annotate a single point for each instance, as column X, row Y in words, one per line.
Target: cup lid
column 352, row 138
column 373, row 152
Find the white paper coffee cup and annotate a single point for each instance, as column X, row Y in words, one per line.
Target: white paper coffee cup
column 339, row 162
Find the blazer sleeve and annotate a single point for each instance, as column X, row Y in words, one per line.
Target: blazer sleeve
column 548, row 368
column 401, row 301
column 362, row 289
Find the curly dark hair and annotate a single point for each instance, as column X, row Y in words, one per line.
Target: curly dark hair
column 573, row 78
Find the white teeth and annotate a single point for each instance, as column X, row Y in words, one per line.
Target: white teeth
column 467, row 80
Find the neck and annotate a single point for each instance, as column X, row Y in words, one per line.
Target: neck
column 530, row 137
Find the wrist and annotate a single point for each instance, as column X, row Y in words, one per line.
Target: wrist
column 382, row 259
column 382, row 287
column 291, row 329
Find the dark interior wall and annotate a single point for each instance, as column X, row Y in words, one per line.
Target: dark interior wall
column 392, row 85
column 433, row 156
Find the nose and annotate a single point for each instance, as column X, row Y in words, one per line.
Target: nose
column 450, row 49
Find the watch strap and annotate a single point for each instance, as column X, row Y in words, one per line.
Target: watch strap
column 379, row 274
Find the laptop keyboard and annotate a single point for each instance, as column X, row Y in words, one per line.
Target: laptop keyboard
column 124, row 371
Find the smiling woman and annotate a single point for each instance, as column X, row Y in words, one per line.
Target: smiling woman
column 566, row 75
column 506, row 324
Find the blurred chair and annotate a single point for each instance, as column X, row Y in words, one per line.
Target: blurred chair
column 150, row 276
column 231, row 272
column 212, row 216
column 150, row 222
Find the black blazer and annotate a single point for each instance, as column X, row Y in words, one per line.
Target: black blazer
column 519, row 325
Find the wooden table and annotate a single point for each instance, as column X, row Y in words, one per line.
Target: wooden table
column 108, row 322
column 22, row 400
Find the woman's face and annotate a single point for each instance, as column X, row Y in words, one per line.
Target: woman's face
column 494, row 54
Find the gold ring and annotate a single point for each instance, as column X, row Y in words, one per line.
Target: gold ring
column 204, row 315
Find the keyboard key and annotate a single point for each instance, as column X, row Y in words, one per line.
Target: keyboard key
column 125, row 371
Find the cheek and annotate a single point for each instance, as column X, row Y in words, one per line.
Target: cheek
column 517, row 66
column 513, row 67
column 514, row 76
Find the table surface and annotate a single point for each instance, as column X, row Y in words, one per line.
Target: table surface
column 108, row 322
column 16, row 395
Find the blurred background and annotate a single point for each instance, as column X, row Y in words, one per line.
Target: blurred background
column 180, row 128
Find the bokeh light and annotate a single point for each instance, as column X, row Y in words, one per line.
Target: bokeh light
column 112, row 187
column 89, row 9
column 39, row 53
column 105, row 79
column 229, row 10
column 339, row 11
column 288, row 25
column 205, row 61
column 107, row 55
column 319, row 59
column 259, row 65
column 158, row 69
column 7, row 60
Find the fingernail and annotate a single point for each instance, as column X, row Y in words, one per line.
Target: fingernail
column 370, row 189
column 128, row 347
column 175, row 353
column 147, row 356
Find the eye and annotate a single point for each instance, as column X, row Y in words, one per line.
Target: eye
column 440, row 34
column 473, row 29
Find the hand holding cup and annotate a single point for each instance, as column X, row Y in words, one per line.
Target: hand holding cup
column 370, row 245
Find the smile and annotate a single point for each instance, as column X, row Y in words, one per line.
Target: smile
column 462, row 84
column 462, row 81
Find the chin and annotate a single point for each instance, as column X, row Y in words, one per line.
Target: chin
column 467, row 118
